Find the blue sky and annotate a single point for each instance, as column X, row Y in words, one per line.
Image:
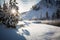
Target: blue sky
column 24, row 5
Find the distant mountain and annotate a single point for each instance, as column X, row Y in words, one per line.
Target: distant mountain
column 40, row 10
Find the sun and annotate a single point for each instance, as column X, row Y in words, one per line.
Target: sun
column 13, row 11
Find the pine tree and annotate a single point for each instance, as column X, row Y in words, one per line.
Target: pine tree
column 35, row 7
column 58, row 14
column 53, row 16
column 47, row 17
column 0, row 7
column 4, row 6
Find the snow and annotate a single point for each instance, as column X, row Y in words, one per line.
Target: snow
column 30, row 31
column 42, row 10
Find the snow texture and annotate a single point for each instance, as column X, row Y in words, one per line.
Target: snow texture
column 30, row 31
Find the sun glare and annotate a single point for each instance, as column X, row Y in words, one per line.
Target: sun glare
column 13, row 11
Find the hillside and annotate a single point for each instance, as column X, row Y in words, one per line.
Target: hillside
column 39, row 10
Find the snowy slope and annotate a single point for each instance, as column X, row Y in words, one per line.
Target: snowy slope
column 42, row 9
column 30, row 31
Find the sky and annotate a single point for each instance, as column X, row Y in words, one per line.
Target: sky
column 24, row 5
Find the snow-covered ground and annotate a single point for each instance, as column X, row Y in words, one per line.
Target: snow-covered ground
column 30, row 31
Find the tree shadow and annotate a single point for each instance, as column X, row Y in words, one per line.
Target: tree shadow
column 26, row 23
column 25, row 32
column 48, row 35
column 36, row 22
column 22, row 25
column 10, row 34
